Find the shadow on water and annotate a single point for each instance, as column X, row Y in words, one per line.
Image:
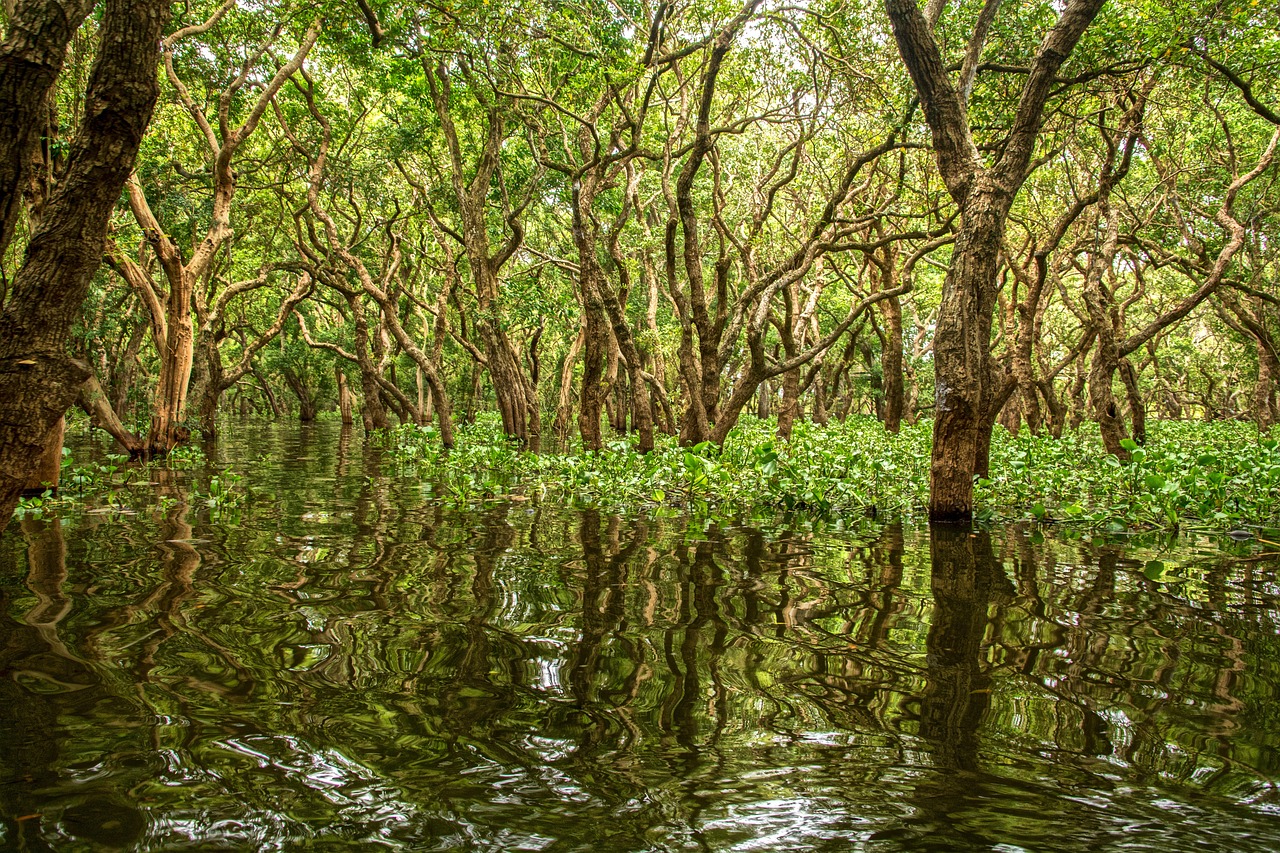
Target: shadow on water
column 345, row 663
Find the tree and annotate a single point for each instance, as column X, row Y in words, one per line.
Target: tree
column 969, row 390
column 38, row 380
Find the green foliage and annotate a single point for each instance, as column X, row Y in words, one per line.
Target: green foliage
column 1215, row 474
column 113, row 484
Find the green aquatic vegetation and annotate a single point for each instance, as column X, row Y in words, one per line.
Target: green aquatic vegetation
column 1220, row 475
column 116, row 484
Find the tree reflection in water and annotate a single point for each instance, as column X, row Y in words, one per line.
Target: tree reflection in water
column 347, row 662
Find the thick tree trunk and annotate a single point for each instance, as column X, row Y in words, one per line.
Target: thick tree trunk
column 31, row 57
column 1266, row 413
column 595, row 355
column 968, row 391
column 209, row 385
column 516, row 397
column 49, row 467
column 38, row 381
column 169, row 404
column 962, row 354
column 617, row 399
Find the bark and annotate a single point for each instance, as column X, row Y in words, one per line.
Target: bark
column 175, row 329
column 31, row 57
column 1133, row 396
column 169, row 403
column 517, row 396
column 595, row 328
column 49, row 467
column 1106, row 353
column 272, row 404
column 38, row 381
column 653, row 349
column 372, row 411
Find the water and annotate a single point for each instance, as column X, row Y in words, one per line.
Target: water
column 344, row 664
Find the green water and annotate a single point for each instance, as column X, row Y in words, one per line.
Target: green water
column 343, row 663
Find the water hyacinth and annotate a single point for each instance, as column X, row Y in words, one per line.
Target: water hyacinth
column 1220, row 475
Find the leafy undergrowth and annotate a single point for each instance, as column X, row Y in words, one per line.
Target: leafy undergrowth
column 1220, row 475
column 110, row 485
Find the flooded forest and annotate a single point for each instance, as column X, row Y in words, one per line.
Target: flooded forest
column 639, row 425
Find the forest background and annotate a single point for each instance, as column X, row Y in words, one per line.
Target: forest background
column 641, row 219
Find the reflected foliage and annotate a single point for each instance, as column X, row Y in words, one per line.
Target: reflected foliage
column 348, row 663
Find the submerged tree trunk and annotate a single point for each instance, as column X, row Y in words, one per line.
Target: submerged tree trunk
column 38, row 381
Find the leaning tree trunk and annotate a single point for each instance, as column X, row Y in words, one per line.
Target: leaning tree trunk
column 38, row 380
column 94, row 401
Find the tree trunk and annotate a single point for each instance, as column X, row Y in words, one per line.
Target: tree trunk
column 891, row 364
column 344, row 397
column 272, row 404
column 31, row 57
column 170, row 401
column 306, row 403
column 1266, row 413
column 1133, row 396
column 38, row 381
column 373, row 412
column 94, row 401
column 968, row 391
column 209, row 384
column 789, row 407
column 595, row 337
column 564, row 406
column 49, row 467
column 962, row 353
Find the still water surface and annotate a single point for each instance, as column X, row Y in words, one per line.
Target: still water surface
column 345, row 664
